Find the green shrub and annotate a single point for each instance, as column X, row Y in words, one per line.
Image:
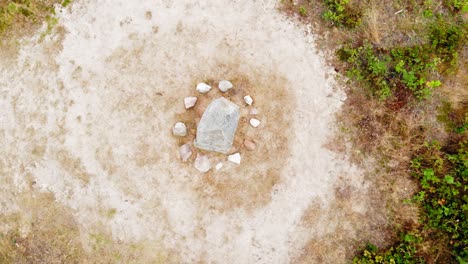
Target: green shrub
column 442, row 173
column 341, row 14
column 457, row 5
column 445, row 39
column 443, row 178
column 385, row 70
column 403, row 252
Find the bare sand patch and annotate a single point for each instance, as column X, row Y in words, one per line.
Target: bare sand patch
column 88, row 113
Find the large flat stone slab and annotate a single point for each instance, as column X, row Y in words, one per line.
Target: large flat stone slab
column 218, row 125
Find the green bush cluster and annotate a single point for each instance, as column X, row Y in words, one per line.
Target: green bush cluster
column 401, row 253
column 443, row 178
column 445, row 39
column 385, row 70
column 340, row 13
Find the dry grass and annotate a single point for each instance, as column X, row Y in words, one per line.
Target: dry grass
column 374, row 25
column 391, row 138
column 364, row 218
column 386, row 23
column 25, row 21
column 387, row 132
column 44, row 231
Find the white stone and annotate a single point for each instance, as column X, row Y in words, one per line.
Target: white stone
column 235, row 158
column 179, row 129
column 224, row 86
column 218, row 125
column 203, row 88
column 185, row 152
column 219, row 166
column 248, row 100
column 254, row 122
column 189, row 102
column 202, row 163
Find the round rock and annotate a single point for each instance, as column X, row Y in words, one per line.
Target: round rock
column 179, row 129
column 248, row 99
column 219, row 166
column 203, row 88
column 225, row 86
column 202, row 163
column 185, row 152
column 189, row 102
column 254, row 122
column 235, row 158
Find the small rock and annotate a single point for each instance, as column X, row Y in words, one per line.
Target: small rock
column 219, row 166
column 179, row 129
column 202, row 163
column 224, row 86
column 249, row 144
column 254, row 122
column 189, row 102
column 248, row 100
column 185, row 152
column 254, row 111
column 203, row 88
column 235, row 158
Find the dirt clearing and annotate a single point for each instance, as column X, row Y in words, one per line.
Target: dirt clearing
column 87, row 116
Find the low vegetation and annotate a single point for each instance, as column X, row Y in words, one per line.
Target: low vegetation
column 398, row 57
column 22, row 17
column 342, row 14
column 443, row 198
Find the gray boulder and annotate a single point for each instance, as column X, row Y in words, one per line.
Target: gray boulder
column 217, row 127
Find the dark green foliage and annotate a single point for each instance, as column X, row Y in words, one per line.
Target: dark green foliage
column 410, row 69
column 444, row 194
column 457, row 5
column 386, row 70
column 445, row 38
column 340, row 13
column 443, row 177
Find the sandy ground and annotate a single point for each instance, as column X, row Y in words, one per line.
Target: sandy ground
column 87, row 113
